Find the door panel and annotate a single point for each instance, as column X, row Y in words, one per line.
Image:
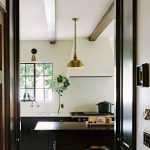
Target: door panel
column 14, row 119
column 2, row 101
column 126, row 113
column 125, row 87
column 9, row 64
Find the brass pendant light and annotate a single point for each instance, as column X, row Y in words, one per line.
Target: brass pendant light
column 75, row 62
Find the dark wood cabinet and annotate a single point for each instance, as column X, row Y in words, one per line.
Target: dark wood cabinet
column 65, row 135
column 81, row 139
column 36, row 140
column 39, row 140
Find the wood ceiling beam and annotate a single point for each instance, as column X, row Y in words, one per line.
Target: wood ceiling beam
column 103, row 23
column 50, row 11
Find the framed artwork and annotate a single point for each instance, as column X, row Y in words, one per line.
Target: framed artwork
column 142, row 72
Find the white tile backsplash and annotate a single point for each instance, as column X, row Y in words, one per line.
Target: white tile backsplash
column 82, row 95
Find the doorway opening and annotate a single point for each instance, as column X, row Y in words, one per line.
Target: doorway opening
column 88, row 86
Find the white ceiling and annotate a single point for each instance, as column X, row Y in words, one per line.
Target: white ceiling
column 33, row 25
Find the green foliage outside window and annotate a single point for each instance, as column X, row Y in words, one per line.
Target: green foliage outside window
column 33, row 79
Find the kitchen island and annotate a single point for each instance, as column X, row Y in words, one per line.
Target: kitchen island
column 78, row 135
column 63, row 134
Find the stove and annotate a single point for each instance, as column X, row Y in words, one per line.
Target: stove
column 89, row 114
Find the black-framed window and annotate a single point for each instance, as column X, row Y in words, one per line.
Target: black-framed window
column 33, row 81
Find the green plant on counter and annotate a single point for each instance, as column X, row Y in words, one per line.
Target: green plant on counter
column 59, row 85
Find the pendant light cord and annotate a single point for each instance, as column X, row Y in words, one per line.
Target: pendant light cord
column 75, row 55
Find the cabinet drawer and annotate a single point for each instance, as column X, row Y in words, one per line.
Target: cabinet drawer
column 80, row 119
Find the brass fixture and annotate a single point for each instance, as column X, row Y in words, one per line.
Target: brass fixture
column 75, row 62
column 33, row 51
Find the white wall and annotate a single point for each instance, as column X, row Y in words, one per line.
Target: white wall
column 58, row 54
column 84, row 92
column 143, row 56
column 96, row 56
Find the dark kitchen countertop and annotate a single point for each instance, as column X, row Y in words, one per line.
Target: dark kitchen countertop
column 71, row 126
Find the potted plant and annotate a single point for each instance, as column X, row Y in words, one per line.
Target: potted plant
column 59, row 85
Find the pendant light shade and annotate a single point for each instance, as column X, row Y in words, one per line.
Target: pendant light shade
column 75, row 62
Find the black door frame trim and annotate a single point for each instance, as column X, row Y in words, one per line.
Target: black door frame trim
column 12, row 44
column 119, row 71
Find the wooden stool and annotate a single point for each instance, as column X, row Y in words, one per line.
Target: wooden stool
column 97, row 147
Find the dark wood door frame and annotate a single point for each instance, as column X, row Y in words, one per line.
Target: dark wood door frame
column 120, row 51
column 16, row 71
column 11, row 58
column 2, row 84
